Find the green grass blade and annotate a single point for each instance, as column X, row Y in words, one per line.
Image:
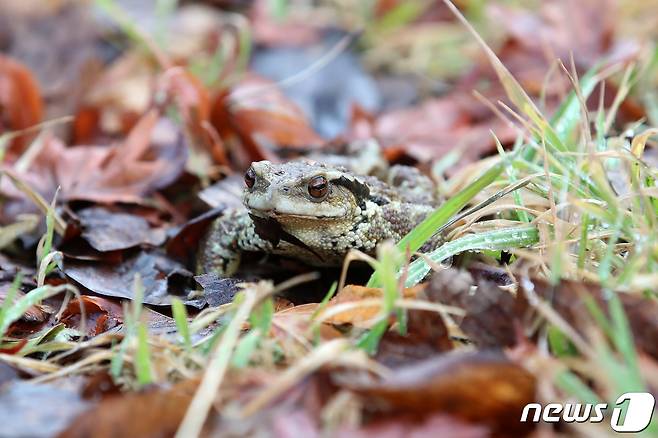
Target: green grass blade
column 573, row 385
column 9, row 299
column 502, row 239
column 261, row 316
column 180, row 317
column 582, row 244
column 568, row 114
column 426, row 229
column 17, row 309
column 245, row 348
column 390, row 261
column 143, row 368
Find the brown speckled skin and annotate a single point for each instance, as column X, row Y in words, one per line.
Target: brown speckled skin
column 349, row 217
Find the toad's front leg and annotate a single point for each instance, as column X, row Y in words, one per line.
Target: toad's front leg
column 227, row 237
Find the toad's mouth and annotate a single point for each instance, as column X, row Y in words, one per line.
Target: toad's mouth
column 270, row 229
column 278, row 214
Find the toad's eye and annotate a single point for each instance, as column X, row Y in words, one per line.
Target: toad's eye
column 250, row 177
column 318, row 187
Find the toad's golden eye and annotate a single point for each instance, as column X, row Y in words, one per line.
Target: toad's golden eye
column 318, row 187
column 250, row 177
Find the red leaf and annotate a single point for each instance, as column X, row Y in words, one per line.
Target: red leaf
column 21, row 105
column 101, row 313
column 257, row 114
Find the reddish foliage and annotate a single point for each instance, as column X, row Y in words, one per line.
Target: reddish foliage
column 21, row 105
column 257, row 114
column 147, row 414
column 15, row 348
column 150, row 157
column 192, row 99
column 425, row 337
column 101, row 314
column 482, row 388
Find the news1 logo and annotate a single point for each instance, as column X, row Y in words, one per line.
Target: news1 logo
column 638, row 412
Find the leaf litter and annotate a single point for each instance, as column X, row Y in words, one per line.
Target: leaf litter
column 119, row 336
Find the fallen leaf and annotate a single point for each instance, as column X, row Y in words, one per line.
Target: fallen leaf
column 430, row 130
column 257, row 115
column 162, row 277
column 101, row 314
column 184, row 244
column 151, row 413
column 193, row 101
column 21, row 105
column 482, row 388
column 150, row 158
column 226, row 193
column 216, row 290
column 426, row 335
column 491, row 313
column 114, row 101
column 105, row 230
column 361, row 314
column 31, row 410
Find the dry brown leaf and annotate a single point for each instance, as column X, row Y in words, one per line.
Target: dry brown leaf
column 360, row 314
column 151, row 157
column 193, row 101
column 152, row 413
column 162, row 278
column 482, row 388
column 256, row 114
column 101, row 314
column 491, row 313
column 21, row 105
column 105, row 230
column 426, row 336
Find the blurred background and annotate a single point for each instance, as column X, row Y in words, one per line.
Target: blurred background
column 262, row 76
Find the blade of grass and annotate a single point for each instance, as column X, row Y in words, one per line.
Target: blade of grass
column 503, row 239
column 246, row 348
column 35, row 296
column 433, row 223
column 573, row 385
column 143, row 367
column 197, row 412
column 9, row 300
column 582, row 245
column 390, row 260
column 261, row 316
column 521, row 214
column 180, row 317
column 59, row 223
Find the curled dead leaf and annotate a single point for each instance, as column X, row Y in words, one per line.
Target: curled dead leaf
column 147, row 414
column 358, row 315
column 482, row 388
column 256, row 114
column 162, row 278
column 21, row 105
column 101, row 314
